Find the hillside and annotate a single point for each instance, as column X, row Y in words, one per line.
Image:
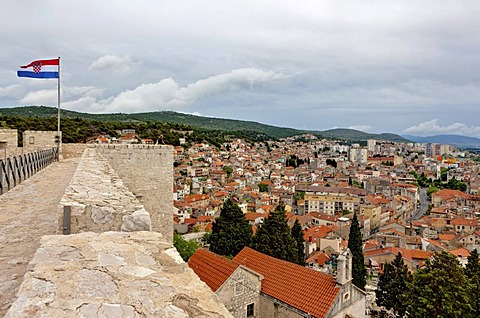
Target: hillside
column 455, row 140
column 200, row 122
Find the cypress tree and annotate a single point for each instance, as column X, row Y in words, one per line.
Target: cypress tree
column 274, row 237
column 231, row 232
column 392, row 286
column 297, row 235
column 359, row 272
column 472, row 272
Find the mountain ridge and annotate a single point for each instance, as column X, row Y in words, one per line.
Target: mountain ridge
column 449, row 139
column 201, row 122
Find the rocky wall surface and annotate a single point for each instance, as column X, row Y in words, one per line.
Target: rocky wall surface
column 72, row 150
column 147, row 171
column 34, row 140
column 99, row 201
column 112, row 274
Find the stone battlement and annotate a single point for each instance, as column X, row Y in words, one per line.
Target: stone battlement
column 112, row 274
column 127, row 272
column 99, row 201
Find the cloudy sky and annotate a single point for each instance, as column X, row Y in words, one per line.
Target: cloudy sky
column 375, row 65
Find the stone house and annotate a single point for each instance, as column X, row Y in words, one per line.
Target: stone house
column 253, row 284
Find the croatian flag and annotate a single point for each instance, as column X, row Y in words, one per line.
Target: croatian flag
column 40, row 69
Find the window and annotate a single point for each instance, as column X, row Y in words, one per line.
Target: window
column 250, row 310
column 31, row 140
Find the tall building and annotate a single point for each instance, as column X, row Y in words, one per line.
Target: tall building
column 371, row 143
column 358, row 155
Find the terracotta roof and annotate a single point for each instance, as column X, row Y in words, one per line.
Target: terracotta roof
column 315, row 292
column 212, row 269
column 319, row 258
column 317, row 231
column 466, row 222
column 463, row 252
column 448, row 194
column 446, row 237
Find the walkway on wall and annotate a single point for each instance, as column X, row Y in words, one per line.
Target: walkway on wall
column 27, row 212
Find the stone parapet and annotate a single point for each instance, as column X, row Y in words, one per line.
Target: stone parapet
column 112, row 274
column 99, row 201
column 71, row 150
column 147, row 171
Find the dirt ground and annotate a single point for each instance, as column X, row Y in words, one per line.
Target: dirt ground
column 27, row 212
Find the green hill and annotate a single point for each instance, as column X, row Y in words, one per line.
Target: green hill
column 200, row 122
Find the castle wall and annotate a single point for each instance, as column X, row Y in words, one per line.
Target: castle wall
column 39, row 140
column 8, row 143
column 147, row 171
column 72, row 150
column 112, row 274
column 99, row 201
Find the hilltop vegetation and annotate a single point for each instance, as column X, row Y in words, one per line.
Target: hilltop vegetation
column 250, row 129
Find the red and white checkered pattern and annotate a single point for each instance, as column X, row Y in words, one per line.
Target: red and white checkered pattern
column 37, row 67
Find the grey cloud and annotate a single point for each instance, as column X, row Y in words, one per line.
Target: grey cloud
column 384, row 64
column 167, row 94
column 432, row 127
column 113, row 63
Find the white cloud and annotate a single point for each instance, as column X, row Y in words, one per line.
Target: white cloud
column 113, row 63
column 432, row 127
column 41, row 97
column 364, row 128
column 167, row 93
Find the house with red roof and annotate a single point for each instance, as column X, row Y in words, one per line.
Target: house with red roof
column 253, row 284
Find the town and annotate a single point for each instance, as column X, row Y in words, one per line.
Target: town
column 322, row 184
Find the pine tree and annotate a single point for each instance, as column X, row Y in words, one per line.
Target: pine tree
column 440, row 290
column 297, row 234
column 472, row 272
column 355, row 244
column 274, row 237
column 392, row 286
column 231, row 232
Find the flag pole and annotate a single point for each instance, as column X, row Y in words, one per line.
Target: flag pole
column 59, row 140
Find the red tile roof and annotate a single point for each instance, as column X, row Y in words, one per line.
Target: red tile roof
column 212, row 269
column 462, row 252
column 448, row 194
column 465, row 222
column 315, row 292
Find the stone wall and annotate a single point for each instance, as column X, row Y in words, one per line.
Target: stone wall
column 39, row 140
column 8, row 143
column 241, row 289
column 73, row 150
column 270, row 307
column 113, row 274
column 99, row 200
column 147, row 171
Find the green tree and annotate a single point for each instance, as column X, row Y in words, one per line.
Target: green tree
column 443, row 174
column 228, row 170
column 185, row 248
column 274, row 237
column 297, row 234
column 262, row 187
column 440, row 290
column 392, row 286
column 355, row 244
column 231, row 232
column 331, row 162
column 472, row 272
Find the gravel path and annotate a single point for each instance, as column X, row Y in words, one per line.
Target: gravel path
column 28, row 212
